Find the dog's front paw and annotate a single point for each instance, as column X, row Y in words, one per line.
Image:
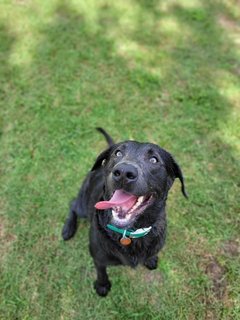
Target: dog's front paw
column 102, row 289
column 152, row 263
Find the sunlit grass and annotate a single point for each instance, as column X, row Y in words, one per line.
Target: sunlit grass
column 160, row 71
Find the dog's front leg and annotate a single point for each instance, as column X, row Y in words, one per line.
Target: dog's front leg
column 102, row 285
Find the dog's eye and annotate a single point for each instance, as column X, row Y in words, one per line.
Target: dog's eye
column 153, row 159
column 118, row 153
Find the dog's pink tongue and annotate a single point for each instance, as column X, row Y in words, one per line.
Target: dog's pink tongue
column 119, row 198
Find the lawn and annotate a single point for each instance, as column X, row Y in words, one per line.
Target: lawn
column 150, row 70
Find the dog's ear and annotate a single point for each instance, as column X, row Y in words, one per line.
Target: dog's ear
column 102, row 158
column 173, row 169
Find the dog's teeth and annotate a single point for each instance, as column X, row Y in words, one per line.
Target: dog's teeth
column 137, row 204
column 140, row 199
column 134, row 207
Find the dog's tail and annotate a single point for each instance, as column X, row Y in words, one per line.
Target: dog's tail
column 109, row 139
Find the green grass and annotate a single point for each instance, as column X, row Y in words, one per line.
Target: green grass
column 161, row 71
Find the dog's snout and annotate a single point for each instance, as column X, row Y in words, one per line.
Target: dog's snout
column 125, row 172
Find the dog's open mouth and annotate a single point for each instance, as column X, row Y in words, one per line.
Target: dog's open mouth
column 125, row 207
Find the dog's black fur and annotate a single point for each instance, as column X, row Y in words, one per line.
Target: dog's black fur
column 153, row 177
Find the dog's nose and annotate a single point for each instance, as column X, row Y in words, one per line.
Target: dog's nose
column 125, row 172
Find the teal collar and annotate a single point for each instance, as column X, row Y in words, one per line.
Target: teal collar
column 130, row 233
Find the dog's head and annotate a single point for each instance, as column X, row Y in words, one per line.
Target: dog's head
column 136, row 175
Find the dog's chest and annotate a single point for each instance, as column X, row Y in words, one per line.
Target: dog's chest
column 137, row 252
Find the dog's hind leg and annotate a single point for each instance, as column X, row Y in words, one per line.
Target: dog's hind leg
column 78, row 208
column 151, row 263
column 70, row 225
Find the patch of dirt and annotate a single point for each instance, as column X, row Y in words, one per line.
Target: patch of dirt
column 216, row 274
column 227, row 23
column 232, row 28
column 217, row 292
column 210, row 315
column 153, row 276
column 231, row 248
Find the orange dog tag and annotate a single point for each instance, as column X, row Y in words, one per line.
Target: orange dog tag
column 125, row 241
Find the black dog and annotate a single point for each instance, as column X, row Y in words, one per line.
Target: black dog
column 124, row 197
